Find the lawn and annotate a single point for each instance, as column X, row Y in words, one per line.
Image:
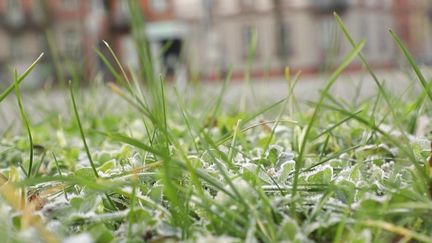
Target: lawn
column 156, row 165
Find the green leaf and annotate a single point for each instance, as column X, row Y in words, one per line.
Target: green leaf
column 19, row 79
column 101, row 233
column 86, row 173
column 105, row 167
column 321, row 176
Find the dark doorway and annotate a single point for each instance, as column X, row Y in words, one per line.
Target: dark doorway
column 171, row 51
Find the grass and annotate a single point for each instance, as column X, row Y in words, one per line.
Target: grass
column 26, row 122
column 159, row 166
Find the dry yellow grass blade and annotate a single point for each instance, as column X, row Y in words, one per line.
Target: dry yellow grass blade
column 405, row 233
column 15, row 198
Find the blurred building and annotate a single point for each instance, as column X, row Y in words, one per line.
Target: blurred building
column 414, row 26
column 296, row 33
column 208, row 37
column 164, row 31
column 64, row 29
column 21, row 35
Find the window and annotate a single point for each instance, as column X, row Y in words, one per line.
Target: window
column 5, row 48
column 249, row 41
column 124, row 8
column 382, row 33
column 123, row 15
column 18, row 48
column 13, row 6
column 70, row 4
column 14, row 12
column 328, row 33
column 71, row 44
column 285, row 40
column 96, row 6
column 38, row 10
column 171, row 54
column 129, row 56
column 159, row 5
column 248, row 3
column 364, row 33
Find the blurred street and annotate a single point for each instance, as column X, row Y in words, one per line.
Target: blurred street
column 348, row 87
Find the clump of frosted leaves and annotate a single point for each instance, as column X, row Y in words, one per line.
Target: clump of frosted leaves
column 342, row 162
column 322, row 174
column 276, row 163
column 290, row 231
column 377, row 154
column 421, row 148
column 374, row 173
column 83, row 238
column 324, row 219
column 284, row 135
column 255, row 169
column 214, row 239
column 284, row 163
column 241, row 186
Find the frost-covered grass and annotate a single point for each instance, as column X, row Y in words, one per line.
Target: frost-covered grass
column 170, row 167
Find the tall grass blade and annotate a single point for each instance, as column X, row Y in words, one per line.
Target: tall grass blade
column 413, row 64
column 26, row 122
column 11, row 87
column 81, row 130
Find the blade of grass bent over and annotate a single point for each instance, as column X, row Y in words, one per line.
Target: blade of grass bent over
column 19, row 79
column 406, row 233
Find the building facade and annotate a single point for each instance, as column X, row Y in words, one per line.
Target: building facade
column 163, row 30
column 61, row 29
column 414, row 25
column 300, row 34
column 209, row 37
column 21, row 35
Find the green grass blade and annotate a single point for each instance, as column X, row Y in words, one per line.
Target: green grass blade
column 118, row 78
column 413, row 64
column 81, row 130
column 138, row 27
column 11, row 87
column 25, row 121
column 134, row 142
column 381, row 88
